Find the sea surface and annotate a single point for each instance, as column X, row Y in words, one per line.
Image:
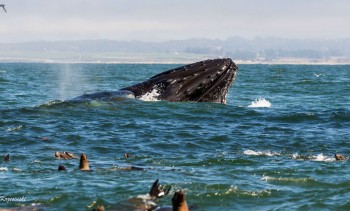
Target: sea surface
column 271, row 147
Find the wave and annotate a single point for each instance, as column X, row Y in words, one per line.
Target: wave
column 287, row 179
column 260, row 103
column 295, row 156
column 263, row 153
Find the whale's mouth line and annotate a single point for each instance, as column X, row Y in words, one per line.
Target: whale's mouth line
column 216, row 83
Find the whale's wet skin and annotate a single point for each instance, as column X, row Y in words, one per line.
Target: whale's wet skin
column 204, row 81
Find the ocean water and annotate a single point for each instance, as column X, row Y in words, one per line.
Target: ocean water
column 271, row 147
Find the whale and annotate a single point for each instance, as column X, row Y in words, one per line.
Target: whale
column 203, row 81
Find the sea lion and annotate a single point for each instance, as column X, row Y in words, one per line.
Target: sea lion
column 339, row 157
column 178, row 203
column 99, row 208
column 157, row 190
column 61, row 168
column 131, row 168
column 84, row 163
column 7, row 158
column 65, row 155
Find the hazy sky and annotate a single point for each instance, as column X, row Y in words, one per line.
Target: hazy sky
column 159, row 20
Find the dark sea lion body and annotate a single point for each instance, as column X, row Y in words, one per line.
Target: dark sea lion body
column 7, row 158
column 157, row 190
column 61, row 168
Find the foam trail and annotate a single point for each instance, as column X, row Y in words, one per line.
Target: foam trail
column 260, row 103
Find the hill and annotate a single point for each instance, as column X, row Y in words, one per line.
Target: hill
column 257, row 50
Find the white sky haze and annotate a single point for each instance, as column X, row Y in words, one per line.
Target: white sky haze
column 159, row 20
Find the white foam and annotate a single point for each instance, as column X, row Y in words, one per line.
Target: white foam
column 19, row 127
column 264, row 153
column 150, row 96
column 320, row 157
column 3, row 169
column 260, row 103
column 318, row 75
column 144, row 196
column 285, row 179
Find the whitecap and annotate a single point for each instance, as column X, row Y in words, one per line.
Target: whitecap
column 3, row 169
column 318, row 75
column 260, row 103
column 285, row 179
column 264, row 153
column 19, row 127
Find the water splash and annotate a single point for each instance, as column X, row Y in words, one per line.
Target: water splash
column 150, row 96
column 264, row 153
column 19, row 127
column 260, row 103
column 319, row 157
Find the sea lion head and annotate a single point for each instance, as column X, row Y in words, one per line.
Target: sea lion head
column 339, row 157
column 58, row 154
column 179, row 201
column 61, row 167
column 84, row 163
column 7, row 158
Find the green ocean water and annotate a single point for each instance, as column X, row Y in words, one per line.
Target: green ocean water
column 270, row 148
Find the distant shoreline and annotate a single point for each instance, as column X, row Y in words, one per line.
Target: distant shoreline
column 242, row 51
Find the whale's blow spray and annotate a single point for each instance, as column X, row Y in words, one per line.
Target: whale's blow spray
column 71, row 80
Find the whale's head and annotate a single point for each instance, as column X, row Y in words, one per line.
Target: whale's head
column 204, row 81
